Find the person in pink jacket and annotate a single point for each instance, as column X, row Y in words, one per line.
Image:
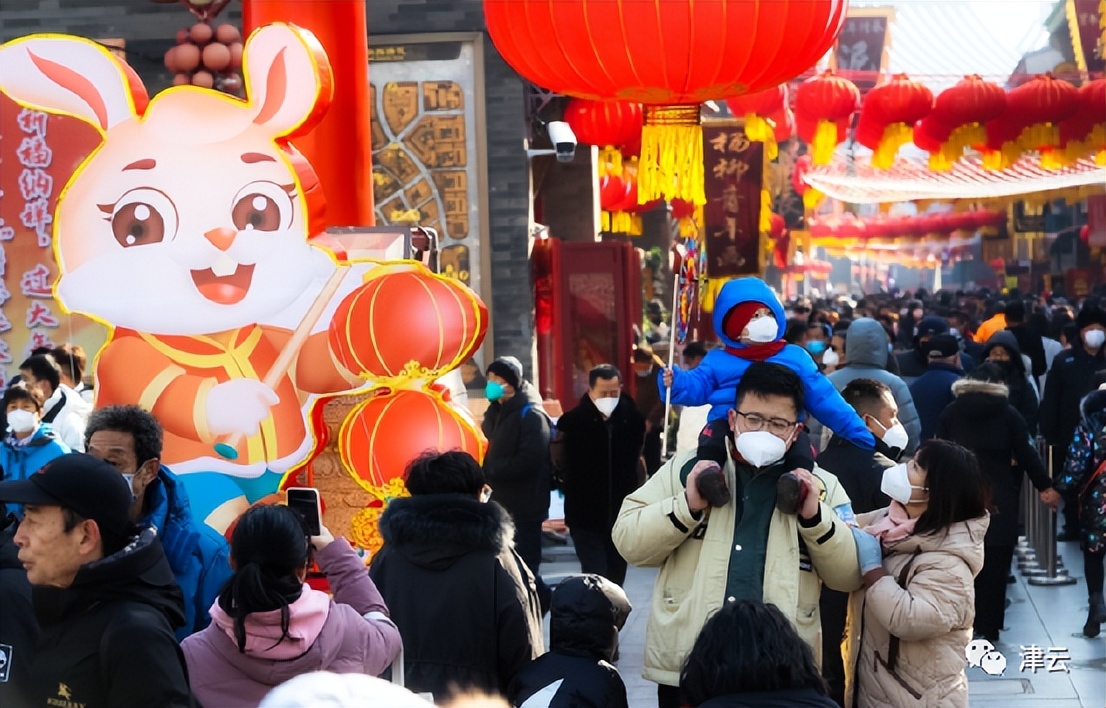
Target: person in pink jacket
column 268, row 626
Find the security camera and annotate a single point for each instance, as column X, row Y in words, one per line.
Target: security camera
column 563, row 139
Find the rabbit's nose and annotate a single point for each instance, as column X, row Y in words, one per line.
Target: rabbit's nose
column 221, row 237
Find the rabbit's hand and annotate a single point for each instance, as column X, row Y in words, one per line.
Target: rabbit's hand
column 239, row 406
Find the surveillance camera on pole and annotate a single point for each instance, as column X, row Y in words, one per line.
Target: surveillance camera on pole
column 563, row 139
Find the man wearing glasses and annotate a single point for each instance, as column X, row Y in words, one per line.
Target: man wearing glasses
column 745, row 549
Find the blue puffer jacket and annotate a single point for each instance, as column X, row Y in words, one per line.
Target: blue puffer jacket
column 197, row 554
column 715, row 380
column 22, row 461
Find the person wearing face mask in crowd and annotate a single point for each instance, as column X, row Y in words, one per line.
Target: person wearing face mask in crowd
column 597, row 451
column 650, row 404
column 517, row 461
column 28, row 443
column 1069, row 380
column 983, row 420
column 834, row 357
column 860, row 472
column 130, row 439
column 1002, row 352
column 908, row 628
column 932, row 391
column 747, row 548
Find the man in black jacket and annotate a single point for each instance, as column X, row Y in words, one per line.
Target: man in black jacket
column 860, row 472
column 105, row 599
column 1029, row 343
column 1071, row 378
column 598, row 451
column 517, row 462
column 18, row 627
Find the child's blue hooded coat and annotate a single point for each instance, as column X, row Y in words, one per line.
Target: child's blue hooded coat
column 715, row 380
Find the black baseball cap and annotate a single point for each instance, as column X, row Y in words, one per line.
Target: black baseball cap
column 941, row 346
column 86, row 485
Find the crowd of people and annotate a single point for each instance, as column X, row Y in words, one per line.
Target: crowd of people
column 835, row 525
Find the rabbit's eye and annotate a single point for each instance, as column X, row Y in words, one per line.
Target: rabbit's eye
column 137, row 224
column 256, row 212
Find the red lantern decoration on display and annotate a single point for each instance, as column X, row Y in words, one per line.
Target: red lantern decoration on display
column 619, row 213
column 963, row 110
column 824, row 108
column 758, row 109
column 605, row 124
column 1039, row 106
column 1085, row 132
column 417, row 325
column 671, row 58
column 894, row 107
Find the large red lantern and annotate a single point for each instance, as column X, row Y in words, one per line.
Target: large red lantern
column 1085, row 132
column 671, row 56
column 896, row 106
column 1039, row 106
column 760, row 108
column 605, row 124
column 964, row 109
column 407, row 323
column 824, row 107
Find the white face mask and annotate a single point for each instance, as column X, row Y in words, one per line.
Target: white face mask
column 895, row 436
column 830, row 358
column 21, row 421
column 130, row 483
column 1094, row 338
column 760, row 448
column 896, row 484
column 763, row 330
column 606, row 406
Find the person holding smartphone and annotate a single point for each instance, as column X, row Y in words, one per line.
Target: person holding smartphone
column 269, row 626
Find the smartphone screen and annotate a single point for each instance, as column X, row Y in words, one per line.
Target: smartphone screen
column 305, row 500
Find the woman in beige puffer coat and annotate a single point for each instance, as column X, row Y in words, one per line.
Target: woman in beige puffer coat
column 909, row 629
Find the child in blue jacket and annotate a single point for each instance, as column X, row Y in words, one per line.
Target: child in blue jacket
column 28, row 443
column 750, row 321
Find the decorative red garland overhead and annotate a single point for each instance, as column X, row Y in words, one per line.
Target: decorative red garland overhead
column 888, row 116
column 941, row 224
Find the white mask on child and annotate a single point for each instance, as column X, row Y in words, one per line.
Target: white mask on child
column 21, row 421
column 763, row 330
column 830, row 358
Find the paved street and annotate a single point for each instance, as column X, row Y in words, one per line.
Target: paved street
column 1045, row 617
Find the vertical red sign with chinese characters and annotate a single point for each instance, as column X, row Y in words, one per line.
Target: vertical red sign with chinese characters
column 734, row 178
column 38, row 153
column 1084, row 24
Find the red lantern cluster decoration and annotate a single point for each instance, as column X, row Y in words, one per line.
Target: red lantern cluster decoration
column 406, row 324
column 958, row 120
column 606, row 124
column 206, row 56
column 939, row 224
column 768, row 117
column 1085, row 131
column 888, row 116
column 671, row 58
column 824, row 108
column 1034, row 111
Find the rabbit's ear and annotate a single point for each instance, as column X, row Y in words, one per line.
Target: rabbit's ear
column 57, row 73
column 288, row 79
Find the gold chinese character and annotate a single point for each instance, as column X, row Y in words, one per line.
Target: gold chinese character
column 719, row 142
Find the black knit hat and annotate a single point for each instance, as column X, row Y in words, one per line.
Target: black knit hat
column 1090, row 316
column 509, row 369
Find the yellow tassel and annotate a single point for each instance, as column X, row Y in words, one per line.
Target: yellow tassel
column 812, row 199
column 825, row 141
column 942, row 160
column 894, row 137
column 635, row 225
column 621, row 222
column 605, row 221
column 1100, row 158
column 709, row 293
column 671, row 165
column 761, row 130
column 1040, row 135
column 765, row 211
column 610, row 161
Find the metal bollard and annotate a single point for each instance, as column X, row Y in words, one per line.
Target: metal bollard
column 1052, row 574
column 1022, row 549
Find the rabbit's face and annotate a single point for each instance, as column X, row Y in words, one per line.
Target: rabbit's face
column 225, row 248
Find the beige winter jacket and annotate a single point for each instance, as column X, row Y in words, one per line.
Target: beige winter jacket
column 931, row 612
column 656, row 528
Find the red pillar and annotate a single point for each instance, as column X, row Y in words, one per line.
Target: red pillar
column 340, row 146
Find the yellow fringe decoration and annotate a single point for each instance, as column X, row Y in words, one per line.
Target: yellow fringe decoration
column 709, row 293
column 690, row 225
column 761, row 130
column 825, row 141
column 610, row 161
column 942, row 160
column 960, row 139
column 812, row 199
column 1002, row 159
column 1041, row 135
column 894, row 137
column 671, row 165
column 765, row 211
column 1100, row 158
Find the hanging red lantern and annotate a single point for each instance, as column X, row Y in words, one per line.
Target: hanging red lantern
column 1039, row 106
column 671, row 58
column 1002, row 149
column 442, row 323
column 1085, row 132
column 964, row 109
column 613, row 190
column 824, row 107
column 757, row 109
column 605, row 124
column 783, row 122
column 619, row 215
column 896, row 106
column 779, row 227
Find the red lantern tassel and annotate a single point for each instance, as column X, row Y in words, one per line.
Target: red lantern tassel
column 894, row 137
column 671, row 163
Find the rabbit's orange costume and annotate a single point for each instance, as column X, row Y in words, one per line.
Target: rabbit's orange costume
column 168, row 375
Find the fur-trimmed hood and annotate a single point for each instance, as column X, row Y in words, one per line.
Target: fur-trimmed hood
column 434, row 530
column 963, row 386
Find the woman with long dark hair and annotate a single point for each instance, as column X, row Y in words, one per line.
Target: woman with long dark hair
column 908, row 629
column 748, row 654
column 268, row 625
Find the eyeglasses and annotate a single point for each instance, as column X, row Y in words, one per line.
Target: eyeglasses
column 780, row 427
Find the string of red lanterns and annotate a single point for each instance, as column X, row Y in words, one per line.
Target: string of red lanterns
column 849, row 226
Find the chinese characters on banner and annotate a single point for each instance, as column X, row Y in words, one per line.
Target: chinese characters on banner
column 38, row 153
column 859, row 52
column 1083, row 23
column 734, row 178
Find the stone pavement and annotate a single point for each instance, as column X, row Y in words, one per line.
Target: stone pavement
column 1044, row 617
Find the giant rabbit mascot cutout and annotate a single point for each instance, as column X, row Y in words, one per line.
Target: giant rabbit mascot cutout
column 189, row 231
